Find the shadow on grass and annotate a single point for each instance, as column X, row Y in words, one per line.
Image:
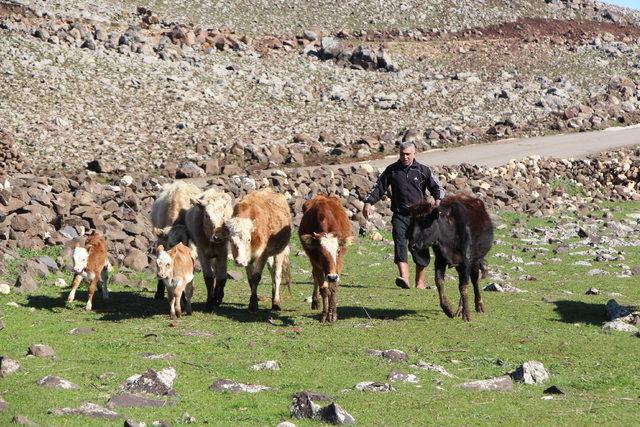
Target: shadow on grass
column 240, row 313
column 352, row 312
column 580, row 312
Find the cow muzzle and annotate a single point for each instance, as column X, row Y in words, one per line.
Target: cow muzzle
column 333, row 278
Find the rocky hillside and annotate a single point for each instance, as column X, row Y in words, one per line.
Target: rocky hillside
column 195, row 89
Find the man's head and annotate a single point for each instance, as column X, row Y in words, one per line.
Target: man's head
column 407, row 153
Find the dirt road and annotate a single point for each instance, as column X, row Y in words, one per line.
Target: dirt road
column 574, row 145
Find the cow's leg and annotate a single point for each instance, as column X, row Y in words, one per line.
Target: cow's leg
column 333, row 310
column 440, row 268
column 188, row 294
column 171, row 296
column 74, row 286
column 324, row 291
column 276, row 277
column 475, row 274
column 318, row 278
column 254, row 274
column 104, row 279
column 221, row 278
column 177, row 298
column 208, row 275
column 92, row 290
column 159, row 289
column 463, row 286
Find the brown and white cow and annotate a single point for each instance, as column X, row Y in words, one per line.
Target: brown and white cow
column 205, row 224
column 325, row 232
column 91, row 263
column 175, row 269
column 259, row 233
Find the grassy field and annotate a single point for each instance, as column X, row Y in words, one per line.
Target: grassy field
column 554, row 322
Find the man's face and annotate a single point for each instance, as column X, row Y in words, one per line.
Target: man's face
column 407, row 155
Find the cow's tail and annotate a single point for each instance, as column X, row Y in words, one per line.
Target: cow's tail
column 286, row 270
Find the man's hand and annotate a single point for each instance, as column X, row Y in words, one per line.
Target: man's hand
column 367, row 210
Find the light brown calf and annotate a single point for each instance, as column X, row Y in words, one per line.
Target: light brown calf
column 91, row 263
column 259, row 233
column 175, row 269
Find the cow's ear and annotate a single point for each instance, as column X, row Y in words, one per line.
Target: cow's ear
column 159, row 249
column 306, row 205
column 308, row 240
column 348, row 241
column 195, row 201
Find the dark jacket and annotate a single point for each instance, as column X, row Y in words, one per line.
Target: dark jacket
column 408, row 186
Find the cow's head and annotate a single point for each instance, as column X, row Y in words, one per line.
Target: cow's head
column 164, row 263
column 328, row 249
column 239, row 232
column 212, row 218
column 80, row 257
column 425, row 225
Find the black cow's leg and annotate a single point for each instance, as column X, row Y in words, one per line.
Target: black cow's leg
column 159, row 290
column 221, row 280
column 440, row 268
column 463, row 285
column 475, row 274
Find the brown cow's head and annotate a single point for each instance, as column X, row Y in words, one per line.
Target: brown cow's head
column 425, row 225
column 239, row 233
column 328, row 249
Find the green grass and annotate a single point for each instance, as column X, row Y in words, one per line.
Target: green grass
column 596, row 370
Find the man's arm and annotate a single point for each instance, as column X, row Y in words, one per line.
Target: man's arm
column 376, row 193
column 434, row 186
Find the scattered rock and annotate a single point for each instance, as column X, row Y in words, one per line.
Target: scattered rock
column 268, row 365
column 553, row 390
column 151, row 382
column 87, row 409
column 618, row 325
column 153, row 356
column 21, row 420
column 334, row 414
column 5, row 289
column 503, row 383
column 3, row 404
column 25, row 283
column 83, row 330
column 8, row 366
column 374, row 386
column 392, row 355
column 51, row 381
column 229, row 385
column 402, row 377
column 592, row 291
column 432, row 367
column 41, row 350
column 531, row 372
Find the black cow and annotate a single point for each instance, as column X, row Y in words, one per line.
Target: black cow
column 461, row 233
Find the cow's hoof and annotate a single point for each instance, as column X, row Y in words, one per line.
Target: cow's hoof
column 315, row 305
column 173, row 317
column 253, row 306
column 480, row 308
column 275, row 307
column 466, row 317
column 210, row 304
column 217, row 298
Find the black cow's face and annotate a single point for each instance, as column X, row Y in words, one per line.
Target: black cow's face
column 424, row 228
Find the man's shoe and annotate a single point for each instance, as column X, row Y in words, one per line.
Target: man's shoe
column 401, row 283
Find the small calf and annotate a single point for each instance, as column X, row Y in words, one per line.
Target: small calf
column 175, row 269
column 91, row 263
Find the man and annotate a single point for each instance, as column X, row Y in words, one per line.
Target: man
column 409, row 181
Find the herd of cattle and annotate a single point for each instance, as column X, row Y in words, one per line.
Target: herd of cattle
column 256, row 231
